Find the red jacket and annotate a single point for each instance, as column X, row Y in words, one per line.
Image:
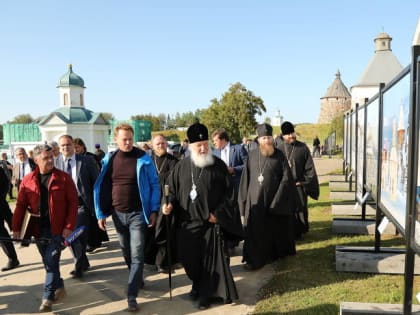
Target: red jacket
column 62, row 201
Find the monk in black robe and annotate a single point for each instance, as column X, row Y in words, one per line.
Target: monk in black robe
column 155, row 252
column 267, row 202
column 304, row 174
column 201, row 199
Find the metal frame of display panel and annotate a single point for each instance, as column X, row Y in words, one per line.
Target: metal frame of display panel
column 412, row 245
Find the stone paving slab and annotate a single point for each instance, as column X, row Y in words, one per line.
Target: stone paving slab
column 102, row 289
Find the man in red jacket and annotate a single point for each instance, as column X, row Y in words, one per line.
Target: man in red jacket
column 51, row 194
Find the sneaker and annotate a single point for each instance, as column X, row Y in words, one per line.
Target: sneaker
column 132, row 306
column 46, row 306
column 60, row 293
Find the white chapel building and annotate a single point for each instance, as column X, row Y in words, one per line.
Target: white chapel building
column 72, row 118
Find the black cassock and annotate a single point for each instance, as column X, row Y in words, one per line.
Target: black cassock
column 267, row 201
column 303, row 171
column 155, row 247
column 202, row 246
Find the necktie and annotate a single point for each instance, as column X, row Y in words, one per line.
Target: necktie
column 68, row 169
column 22, row 170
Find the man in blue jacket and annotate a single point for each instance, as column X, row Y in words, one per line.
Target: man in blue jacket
column 128, row 189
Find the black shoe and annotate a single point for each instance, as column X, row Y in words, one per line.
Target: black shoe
column 11, row 265
column 79, row 273
column 203, row 305
column 193, row 294
column 76, row 274
column 90, row 249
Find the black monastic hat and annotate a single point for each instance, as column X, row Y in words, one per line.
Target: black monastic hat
column 197, row 132
column 287, row 128
column 264, row 130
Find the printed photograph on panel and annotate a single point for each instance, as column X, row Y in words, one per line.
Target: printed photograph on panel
column 394, row 149
column 372, row 141
column 346, row 139
column 360, row 131
column 353, row 142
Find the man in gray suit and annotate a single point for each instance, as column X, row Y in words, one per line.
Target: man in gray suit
column 84, row 172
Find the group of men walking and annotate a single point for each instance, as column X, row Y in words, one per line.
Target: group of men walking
column 204, row 204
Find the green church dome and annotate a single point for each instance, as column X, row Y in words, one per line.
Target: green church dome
column 71, row 79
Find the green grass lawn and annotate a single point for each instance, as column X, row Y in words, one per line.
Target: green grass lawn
column 309, row 284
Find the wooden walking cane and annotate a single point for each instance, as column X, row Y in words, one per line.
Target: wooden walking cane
column 168, row 243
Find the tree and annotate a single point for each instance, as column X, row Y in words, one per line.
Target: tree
column 108, row 116
column 22, row 119
column 337, row 125
column 235, row 112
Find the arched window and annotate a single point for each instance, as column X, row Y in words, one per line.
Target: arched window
column 66, row 99
column 81, row 100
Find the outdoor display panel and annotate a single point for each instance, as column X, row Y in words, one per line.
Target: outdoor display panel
column 372, row 141
column 394, row 147
column 360, row 131
column 416, row 210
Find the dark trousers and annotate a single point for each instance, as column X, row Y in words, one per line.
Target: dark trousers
column 50, row 253
column 8, row 247
column 78, row 247
column 6, row 216
column 10, row 191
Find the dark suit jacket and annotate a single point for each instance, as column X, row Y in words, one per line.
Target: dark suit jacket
column 237, row 157
column 16, row 170
column 87, row 171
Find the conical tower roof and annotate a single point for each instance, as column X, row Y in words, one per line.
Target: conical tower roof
column 383, row 66
column 337, row 89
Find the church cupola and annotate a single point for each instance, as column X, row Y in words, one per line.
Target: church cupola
column 383, row 42
column 71, row 89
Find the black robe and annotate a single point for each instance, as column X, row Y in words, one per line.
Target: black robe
column 303, row 171
column 155, row 252
column 201, row 245
column 268, row 208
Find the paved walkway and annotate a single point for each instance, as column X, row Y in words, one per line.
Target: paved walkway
column 102, row 290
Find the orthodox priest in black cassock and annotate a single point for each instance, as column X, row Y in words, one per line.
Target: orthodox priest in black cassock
column 304, row 174
column 155, row 252
column 201, row 200
column 267, row 202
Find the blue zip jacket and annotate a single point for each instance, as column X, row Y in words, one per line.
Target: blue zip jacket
column 147, row 180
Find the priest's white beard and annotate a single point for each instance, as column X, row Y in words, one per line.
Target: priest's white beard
column 202, row 160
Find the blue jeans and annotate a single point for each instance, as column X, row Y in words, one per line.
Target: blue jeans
column 51, row 253
column 131, row 228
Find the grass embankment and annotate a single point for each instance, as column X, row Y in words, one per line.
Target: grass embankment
column 309, row 284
